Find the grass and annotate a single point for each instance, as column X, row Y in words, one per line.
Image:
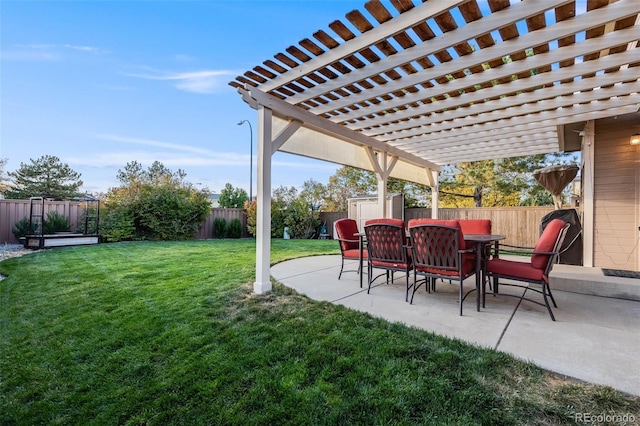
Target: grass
column 170, row 333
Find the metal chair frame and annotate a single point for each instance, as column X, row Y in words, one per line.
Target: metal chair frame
column 545, row 289
column 343, row 256
column 387, row 250
column 428, row 252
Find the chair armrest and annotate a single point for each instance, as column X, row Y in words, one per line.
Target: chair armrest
column 545, row 252
column 517, row 247
column 510, row 249
column 347, row 241
column 520, row 250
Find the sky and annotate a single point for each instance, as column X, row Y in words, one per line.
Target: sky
column 103, row 83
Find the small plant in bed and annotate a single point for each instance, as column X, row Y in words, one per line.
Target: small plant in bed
column 22, row 228
column 55, row 222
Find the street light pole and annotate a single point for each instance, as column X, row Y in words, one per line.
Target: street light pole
column 250, row 157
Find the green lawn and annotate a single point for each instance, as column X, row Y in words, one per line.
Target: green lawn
column 170, row 333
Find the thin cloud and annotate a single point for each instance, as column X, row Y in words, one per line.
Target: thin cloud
column 183, row 58
column 44, row 52
column 169, row 159
column 170, row 154
column 205, row 82
column 159, row 144
column 36, row 46
column 82, row 48
column 177, row 156
column 29, row 55
column 172, row 160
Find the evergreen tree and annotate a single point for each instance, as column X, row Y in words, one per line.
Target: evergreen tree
column 46, row 176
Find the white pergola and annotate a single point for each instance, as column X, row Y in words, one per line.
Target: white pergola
column 406, row 88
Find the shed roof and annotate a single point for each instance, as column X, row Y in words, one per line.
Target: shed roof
column 449, row 81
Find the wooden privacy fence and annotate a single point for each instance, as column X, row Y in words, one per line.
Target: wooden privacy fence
column 11, row 211
column 521, row 225
column 206, row 228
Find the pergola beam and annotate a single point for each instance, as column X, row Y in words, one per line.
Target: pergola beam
column 318, row 124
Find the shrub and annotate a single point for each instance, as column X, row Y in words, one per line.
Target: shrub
column 219, row 227
column 251, row 209
column 21, row 228
column 301, row 220
column 55, row 222
column 116, row 224
column 235, row 228
column 156, row 204
column 286, row 211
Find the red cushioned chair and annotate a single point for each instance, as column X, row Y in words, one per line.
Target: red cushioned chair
column 387, row 249
column 478, row 227
column 537, row 270
column 347, row 230
column 438, row 252
column 474, row 226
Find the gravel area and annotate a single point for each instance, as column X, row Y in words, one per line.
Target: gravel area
column 12, row 250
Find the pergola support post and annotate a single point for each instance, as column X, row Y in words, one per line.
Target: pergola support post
column 435, row 189
column 382, row 168
column 262, row 284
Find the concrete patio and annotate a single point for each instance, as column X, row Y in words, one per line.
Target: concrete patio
column 595, row 339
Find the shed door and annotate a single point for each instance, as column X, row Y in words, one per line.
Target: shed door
column 367, row 210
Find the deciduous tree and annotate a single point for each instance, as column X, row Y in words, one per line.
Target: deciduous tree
column 3, row 185
column 349, row 182
column 232, row 198
column 496, row 183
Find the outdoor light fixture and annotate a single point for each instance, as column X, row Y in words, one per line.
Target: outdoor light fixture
column 635, row 139
column 250, row 157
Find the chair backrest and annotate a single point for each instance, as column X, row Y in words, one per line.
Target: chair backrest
column 347, row 230
column 474, row 226
column 386, row 240
column 435, row 243
column 549, row 242
column 455, row 223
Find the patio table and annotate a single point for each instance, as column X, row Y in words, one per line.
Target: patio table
column 481, row 241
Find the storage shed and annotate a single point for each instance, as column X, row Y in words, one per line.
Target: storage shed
column 366, row 207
